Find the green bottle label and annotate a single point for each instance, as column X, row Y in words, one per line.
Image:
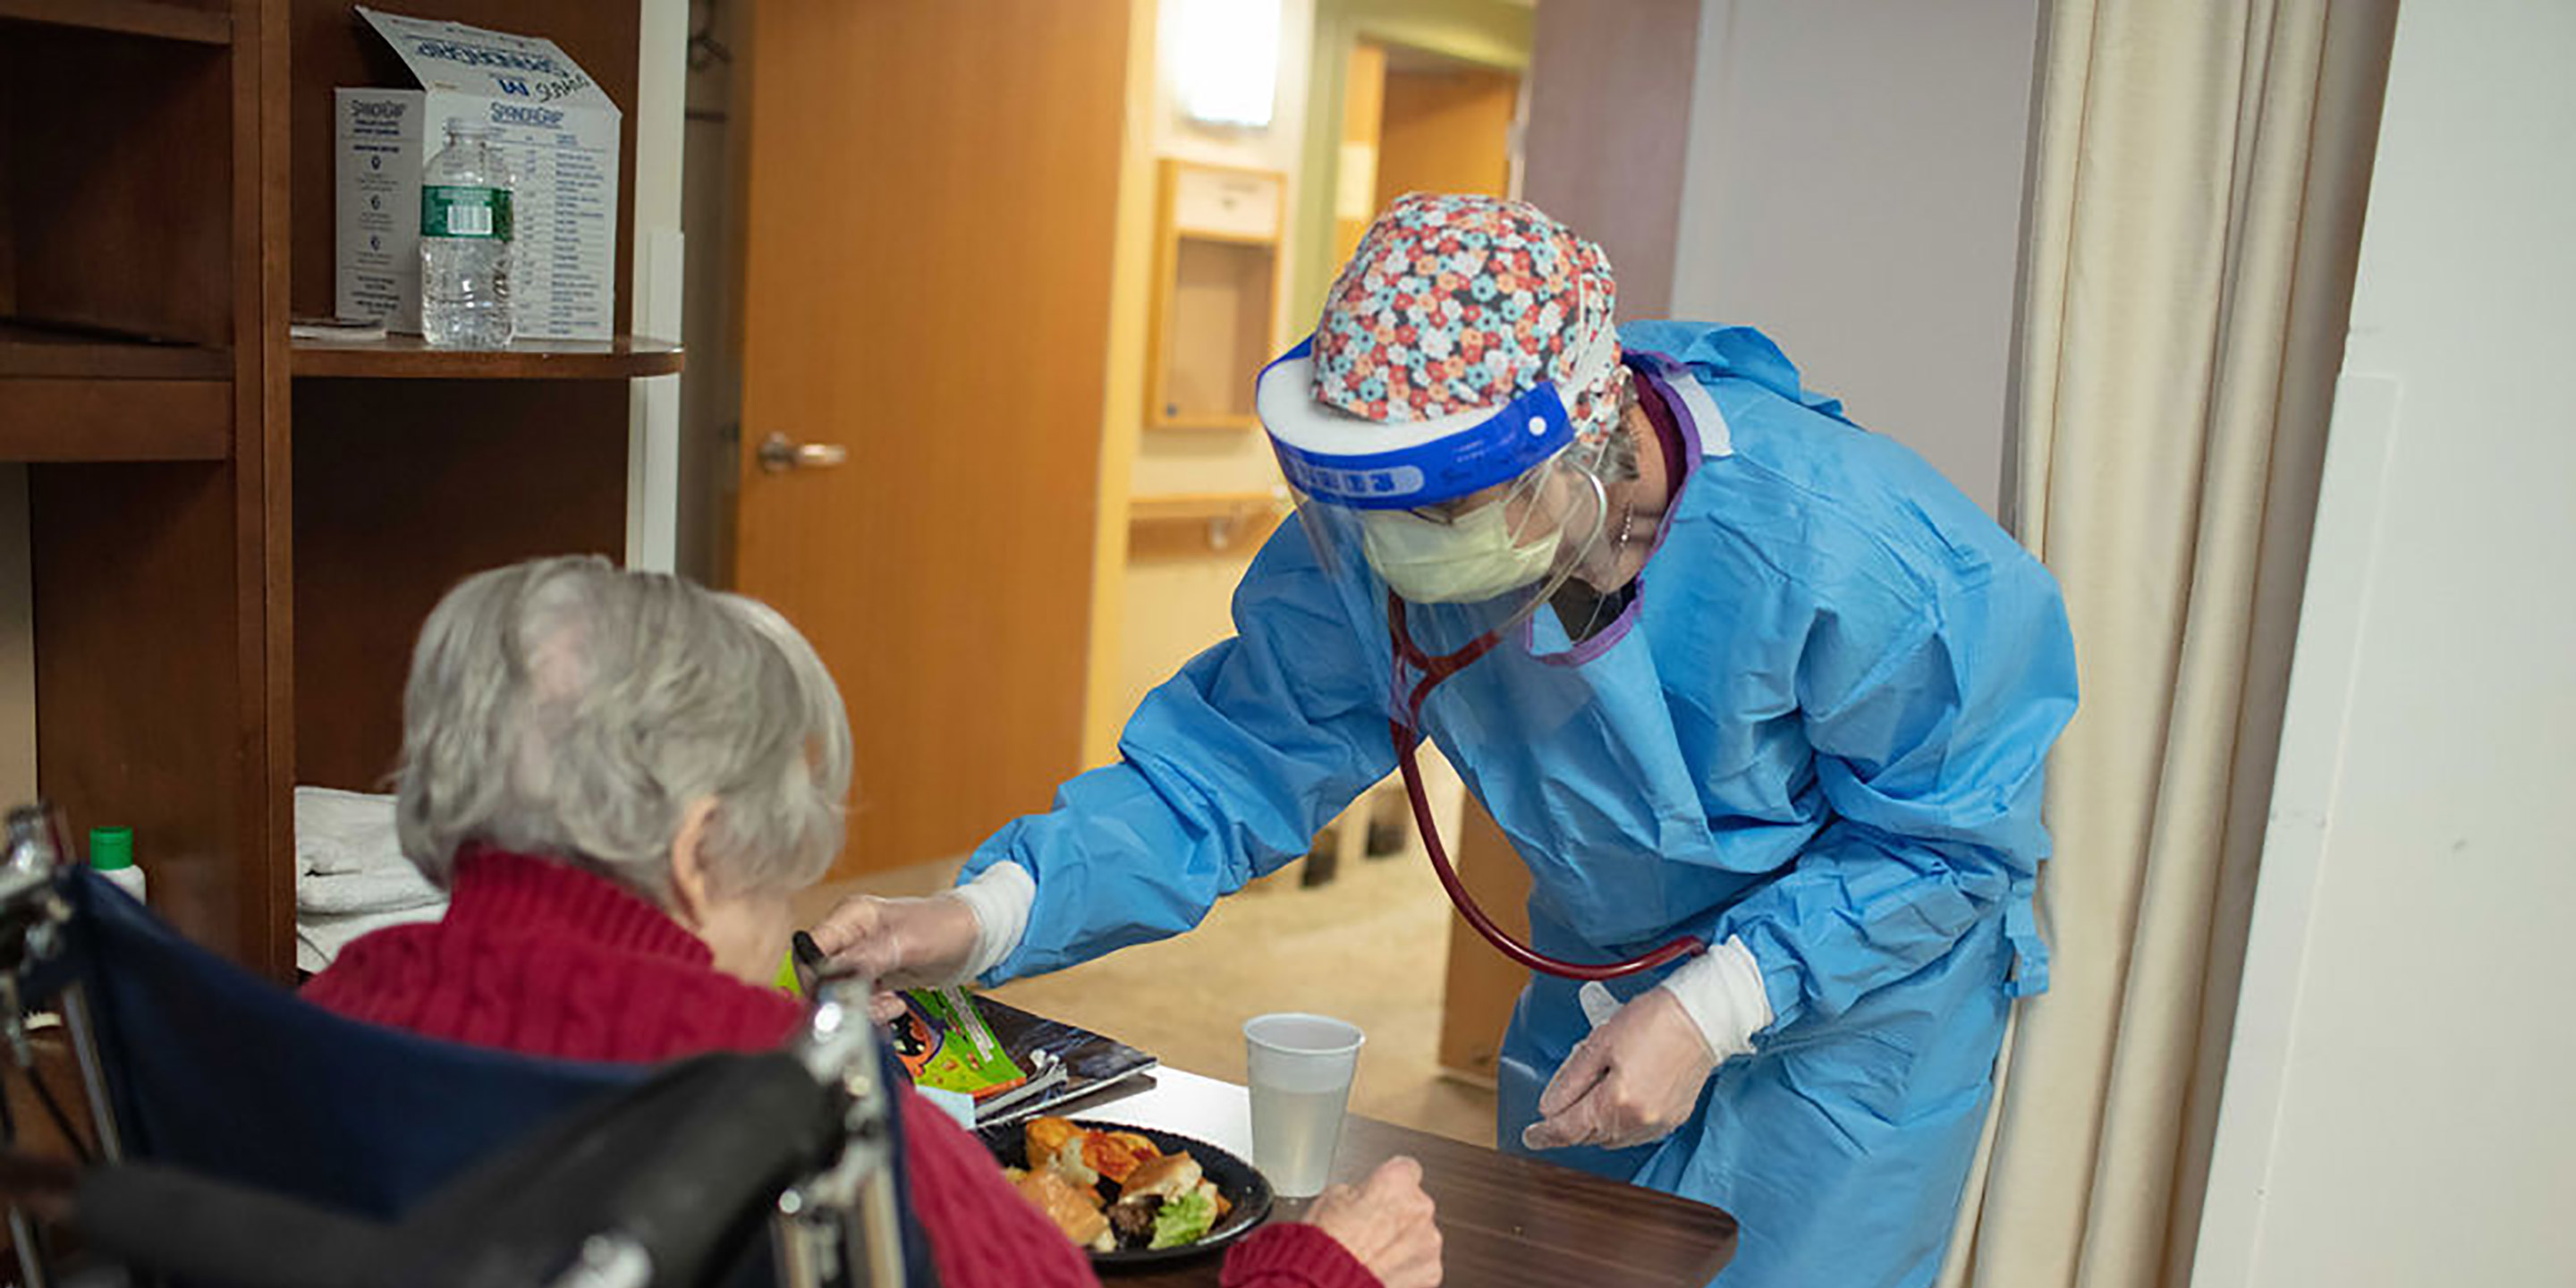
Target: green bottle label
column 450, row 211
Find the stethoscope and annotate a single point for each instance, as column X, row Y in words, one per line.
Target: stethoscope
column 1406, row 730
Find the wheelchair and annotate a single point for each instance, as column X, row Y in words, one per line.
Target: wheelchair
column 237, row 1135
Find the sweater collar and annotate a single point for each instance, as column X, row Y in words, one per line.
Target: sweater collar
column 555, row 896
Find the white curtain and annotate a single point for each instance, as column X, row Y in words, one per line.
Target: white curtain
column 2198, row 182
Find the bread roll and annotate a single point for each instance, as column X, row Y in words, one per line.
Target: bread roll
column 1064, row 1205
column 1170, row 1176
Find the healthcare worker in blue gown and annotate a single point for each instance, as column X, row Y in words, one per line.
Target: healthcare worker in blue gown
column 1725, row 667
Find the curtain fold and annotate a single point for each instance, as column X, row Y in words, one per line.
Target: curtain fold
column 2199, row 175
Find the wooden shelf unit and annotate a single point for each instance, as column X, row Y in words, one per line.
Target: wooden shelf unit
column 68, row 420
column 35, row 351
column 1219, row 238
column 233, row 537
column 406, row 357
column 193, row 24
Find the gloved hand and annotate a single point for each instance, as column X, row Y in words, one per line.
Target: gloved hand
column 1634, row 1080
column 901, row 943
column 948, row 938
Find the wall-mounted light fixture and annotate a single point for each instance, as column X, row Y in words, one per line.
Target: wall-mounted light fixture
column 1224, row 58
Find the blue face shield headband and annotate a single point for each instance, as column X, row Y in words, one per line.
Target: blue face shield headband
column 1341, row 459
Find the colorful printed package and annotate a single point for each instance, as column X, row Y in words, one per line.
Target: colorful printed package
column 944, row 1042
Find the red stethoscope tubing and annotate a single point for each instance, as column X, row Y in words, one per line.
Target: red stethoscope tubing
column 1405, row 733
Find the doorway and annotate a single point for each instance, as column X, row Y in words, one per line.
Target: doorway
column 1414, row 120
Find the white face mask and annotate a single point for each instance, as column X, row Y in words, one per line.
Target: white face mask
column 1467, row 561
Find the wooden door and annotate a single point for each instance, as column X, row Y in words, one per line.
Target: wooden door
column 930, row 188
column 1414, row 121
column 1444, row 127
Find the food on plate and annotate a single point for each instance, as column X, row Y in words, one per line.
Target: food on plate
column 1151, row 1199
column 1046, row 1133
column 1184, row 1220
column 1177, row 1198
column 1117, row 1154
column 1168, row 1177
column 1074, row 1211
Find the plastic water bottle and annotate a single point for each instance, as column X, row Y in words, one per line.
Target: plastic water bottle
column 465, row 242
column 111, row 855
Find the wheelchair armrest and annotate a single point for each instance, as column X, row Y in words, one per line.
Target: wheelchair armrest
column 206, row 1231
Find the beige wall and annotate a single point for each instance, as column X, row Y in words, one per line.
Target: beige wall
column 1170, row 462
column 1488, row 33
column 1152, row 614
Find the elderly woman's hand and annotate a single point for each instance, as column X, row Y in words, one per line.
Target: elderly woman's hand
column 1386, row 1224
column 901, row 943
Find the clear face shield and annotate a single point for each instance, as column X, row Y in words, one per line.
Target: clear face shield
column 1465, row 525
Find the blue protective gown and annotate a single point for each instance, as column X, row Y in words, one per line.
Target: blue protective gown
column 1821, row 727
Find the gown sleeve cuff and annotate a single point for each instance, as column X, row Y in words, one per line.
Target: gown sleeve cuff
column 1000, row 897
column 1722, row 991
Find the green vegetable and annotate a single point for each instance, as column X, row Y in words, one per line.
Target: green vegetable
column 1184, row 1220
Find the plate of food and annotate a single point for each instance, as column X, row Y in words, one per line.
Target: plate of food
column 1131, row 1195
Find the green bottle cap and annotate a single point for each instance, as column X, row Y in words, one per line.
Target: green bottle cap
column 111, row 848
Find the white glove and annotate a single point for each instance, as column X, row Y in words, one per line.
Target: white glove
column 1639, row 1073
column 949, row 938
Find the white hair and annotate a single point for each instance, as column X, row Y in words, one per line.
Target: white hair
column 567, row 708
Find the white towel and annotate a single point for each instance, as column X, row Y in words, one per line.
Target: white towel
column 340, row 832
column 390, row 890
column 351, row 875
column 318, row 940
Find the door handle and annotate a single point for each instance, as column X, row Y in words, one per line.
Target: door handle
column 779, row 454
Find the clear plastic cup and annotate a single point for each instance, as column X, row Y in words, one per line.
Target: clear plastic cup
column 1301, row 1068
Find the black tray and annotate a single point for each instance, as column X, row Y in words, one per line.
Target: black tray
column 1243, row 1186
column 1091, row 1061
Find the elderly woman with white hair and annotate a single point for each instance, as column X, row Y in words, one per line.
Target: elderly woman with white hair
column 623, row 779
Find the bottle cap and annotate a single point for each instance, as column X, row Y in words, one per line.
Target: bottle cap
column 111, row 848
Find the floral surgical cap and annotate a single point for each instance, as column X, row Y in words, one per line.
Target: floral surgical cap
column 1462, row 303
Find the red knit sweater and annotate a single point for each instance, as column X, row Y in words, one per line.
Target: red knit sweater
column 546, row 959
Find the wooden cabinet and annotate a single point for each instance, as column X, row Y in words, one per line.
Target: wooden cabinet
column 233, row 536
column 1218, row 237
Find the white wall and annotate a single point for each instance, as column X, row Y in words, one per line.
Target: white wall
column 1855, row 189
column 1169, row 462
column 653, row 423
column 2398, row 1109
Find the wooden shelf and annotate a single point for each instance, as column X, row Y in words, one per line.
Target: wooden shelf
column 31, row 350
column 55, row 419
column 1203, row 423
column 1196, row 524
column 71, row 394
column 131, row 17
column 404, row 357
column 1204, row 506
